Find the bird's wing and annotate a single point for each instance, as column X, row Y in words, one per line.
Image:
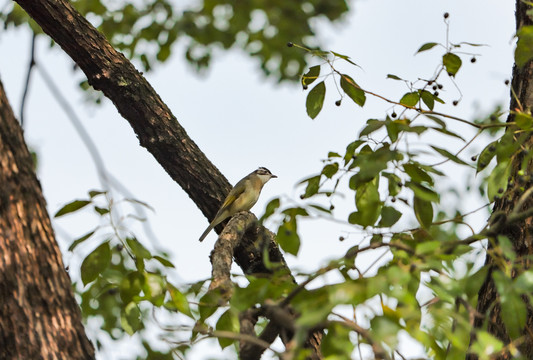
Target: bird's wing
column 233, row 194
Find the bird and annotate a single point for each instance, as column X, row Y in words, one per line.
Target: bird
column 242, row 197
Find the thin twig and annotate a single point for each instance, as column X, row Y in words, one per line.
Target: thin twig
column 28, row 77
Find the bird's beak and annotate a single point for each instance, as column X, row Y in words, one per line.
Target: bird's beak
column 274, row 176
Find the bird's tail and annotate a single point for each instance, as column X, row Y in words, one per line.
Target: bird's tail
column 209, row 228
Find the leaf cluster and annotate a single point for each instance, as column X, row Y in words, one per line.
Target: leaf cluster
column 148, row 30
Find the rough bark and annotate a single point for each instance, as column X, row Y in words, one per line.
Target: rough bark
column 520, row 232
column 39, row 317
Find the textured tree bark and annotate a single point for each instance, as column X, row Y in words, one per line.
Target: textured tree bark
column 519, row 233
column 156, row 127
column 39, row 317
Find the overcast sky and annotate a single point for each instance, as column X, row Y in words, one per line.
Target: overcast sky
column 242, row 120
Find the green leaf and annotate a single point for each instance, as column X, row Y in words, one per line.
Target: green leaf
column 350, row 150
column 154, row 288
column 452, row 63
column 524, row 121
column 428, row 247
column 229, row 321
column 131, row 286
column 449, row 155
column 410, row 99
column 487, row 154
column 130, row 318
column 394, row 77
column 423, row 192
column 514, row 311
column 498, row 179
column 371, row 126
column 486, row 345
column 313, row 185
column 423, row 211
column 138, row 249
column 336, row 343
column 417, row 174
column 311, row 75
column 287, row 236
column 315, row 100
column 209, row 303
column 163, row 261
column 270, row 208
column 80, row 240
column 428, row 99
column 330, row 170
column 179, row 301
column 95, row 263
column 353, row 90
column 447, row 132
column 71, row 207
column 101, row 211
column 389, row 216
column 427, row 46
column 393, row 129
column 344, row 57
column 94, row 193
column 474, row 282
column 524, row 46
column 394, row 183
column 368, row 204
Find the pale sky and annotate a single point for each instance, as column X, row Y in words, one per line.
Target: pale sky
column 242, row 120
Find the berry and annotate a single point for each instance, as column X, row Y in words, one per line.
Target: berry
column 436, row 93
column 305, row 87
column 455, row 102
column 507, row 82
column 440, row 86
column 331, row 207
column 341, row 238
column 473, row 60
column 434, row 87
column 393, row 115
column 446, row 15
column 473, row 158
column 338, row 103
column 289, row 44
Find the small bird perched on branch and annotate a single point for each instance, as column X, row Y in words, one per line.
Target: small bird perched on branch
column 242, row 197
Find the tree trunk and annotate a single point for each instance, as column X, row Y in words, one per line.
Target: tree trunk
column 39, row 317
column 519, row 233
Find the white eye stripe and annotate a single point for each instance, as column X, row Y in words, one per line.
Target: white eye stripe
column 263, row 171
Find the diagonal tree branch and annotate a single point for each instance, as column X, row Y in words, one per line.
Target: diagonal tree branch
column 154, row 124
